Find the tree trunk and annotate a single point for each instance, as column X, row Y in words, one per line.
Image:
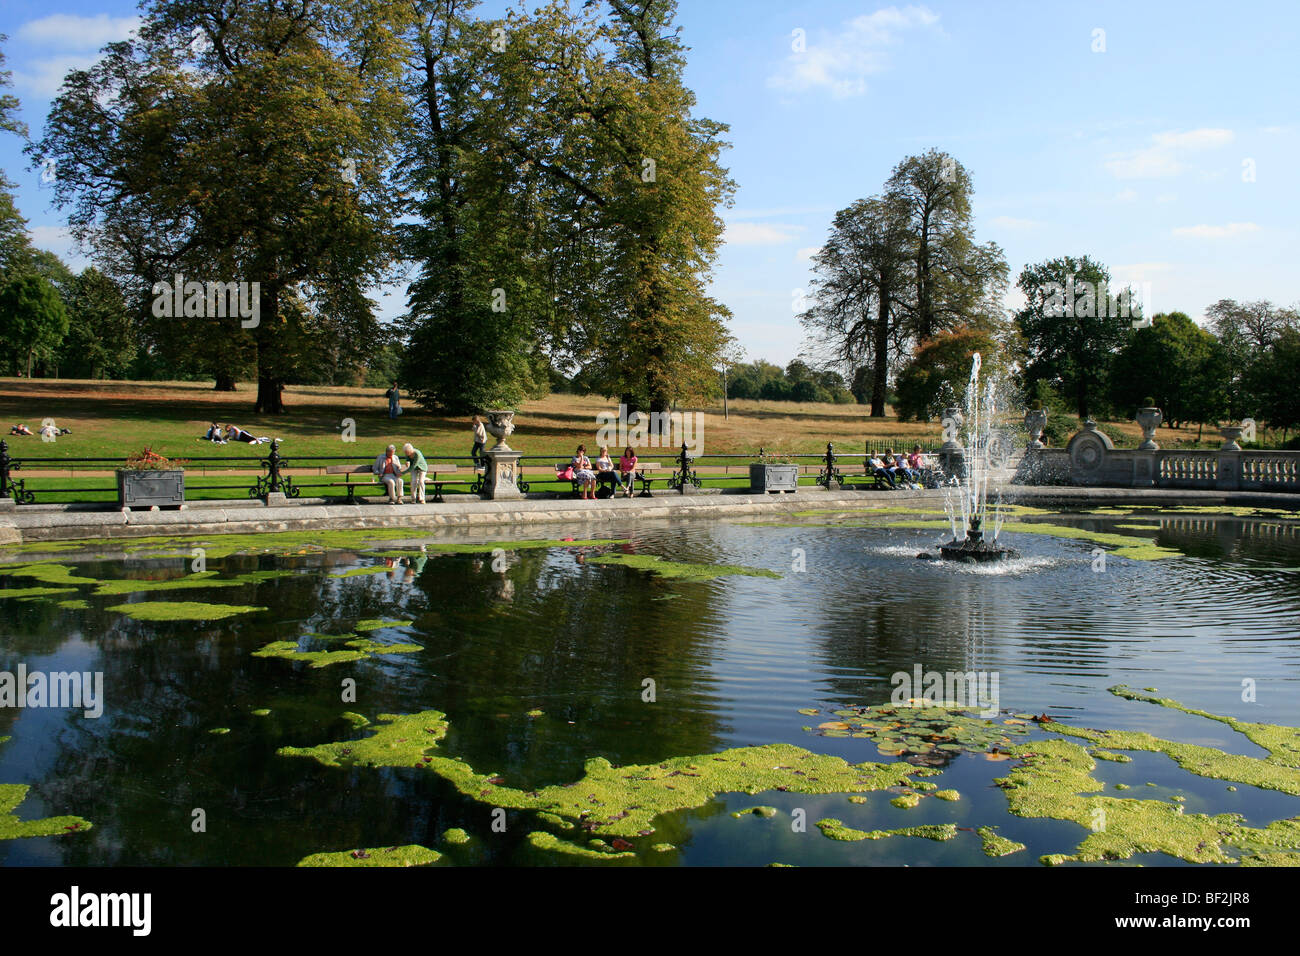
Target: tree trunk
column 225, row 382
column 29, row 363
column 880, row 371
column 270, row 382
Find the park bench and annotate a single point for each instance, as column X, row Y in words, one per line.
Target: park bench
column 639, row 475
column 431, row 481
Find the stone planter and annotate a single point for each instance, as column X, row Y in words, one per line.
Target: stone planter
column 1231, row 434
column 1035, row 422
column 501, row 424
column 1149, row 419
column 773, row 478
column 148, row 488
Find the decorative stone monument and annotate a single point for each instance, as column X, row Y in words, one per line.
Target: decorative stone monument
column 1035, row 422
column 1149, row 419
column 951, row 454
column 501, row 477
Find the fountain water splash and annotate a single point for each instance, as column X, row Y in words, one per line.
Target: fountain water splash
column 968, row 503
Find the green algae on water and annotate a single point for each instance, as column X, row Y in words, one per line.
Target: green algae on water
column 456, row 837
column 219, row 730
column 182, row 611
column 755, row 812
column 837, row 830
column 412, row 855
column 21, row 593
column 906, row 801
column 76, row 604
column 375, row 623
column 357, row 650
column 356, row 720
column 995, row 845
column 613, row 801
column 550, row 843
column 261, row 712
column 49, row 574
column 12, row 828
column 679, row 570
column 950, row 795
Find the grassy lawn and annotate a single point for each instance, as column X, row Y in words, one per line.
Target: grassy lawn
column 113, row 419
column 110, row 419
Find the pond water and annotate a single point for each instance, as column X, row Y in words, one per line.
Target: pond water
column 544, row 657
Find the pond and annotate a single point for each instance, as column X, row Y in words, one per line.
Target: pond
column 664, row 646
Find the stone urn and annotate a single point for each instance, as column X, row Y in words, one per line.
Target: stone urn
column 952, row 421
column 1035, row 422
column 1230, row 435
column 502, row 425
column 1149, row 419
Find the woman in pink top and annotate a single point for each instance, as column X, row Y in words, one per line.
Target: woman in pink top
column 627, row 470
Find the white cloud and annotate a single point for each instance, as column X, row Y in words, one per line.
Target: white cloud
column 66, row 32
column 1164, row 157
column 759, row 234
column 69, row 43
column 841, row 61
column 806, row 253
column 1011, row 222
column 45, row 76
column 1204, row 231
column 1167, row 197
column 1126, row 195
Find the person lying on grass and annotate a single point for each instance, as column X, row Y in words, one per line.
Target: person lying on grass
column 235, row 433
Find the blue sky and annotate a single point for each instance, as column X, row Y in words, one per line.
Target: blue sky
column 1158, row 137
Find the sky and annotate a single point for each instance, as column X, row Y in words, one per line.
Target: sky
column 1160, row 138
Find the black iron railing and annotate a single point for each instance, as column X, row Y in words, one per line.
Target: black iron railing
column 830, row 469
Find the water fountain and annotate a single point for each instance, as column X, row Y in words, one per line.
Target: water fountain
column 967, row 503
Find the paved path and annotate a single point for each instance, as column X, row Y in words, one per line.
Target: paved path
column 32, row 523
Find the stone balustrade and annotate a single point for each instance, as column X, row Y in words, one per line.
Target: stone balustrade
column 1091, row 458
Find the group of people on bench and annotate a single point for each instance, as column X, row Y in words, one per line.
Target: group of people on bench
column 907, row 470
column 389, row 469
column 586, row 474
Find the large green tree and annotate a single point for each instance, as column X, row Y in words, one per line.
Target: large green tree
column 862, row 280
column 33, row 319
column 1178, row 365
column 241, row 141
column 953, row 277
column 101, row 339
column 1071, row 328
column 1246, row 331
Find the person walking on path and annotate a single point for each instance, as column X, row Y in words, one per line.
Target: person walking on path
column 419, row 468
column 480, row 441
column 388, row 469
column 394, row 401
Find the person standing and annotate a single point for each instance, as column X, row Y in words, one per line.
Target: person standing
column 480, row 441
column 388, row 469
column 394, row 401
column 419, row 468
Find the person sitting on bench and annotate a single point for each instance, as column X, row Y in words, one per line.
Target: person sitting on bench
column 900, row 469
column 582, row 473
column 627, row 469
column 880, row 471
column 388, row 469
column 605, row 473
